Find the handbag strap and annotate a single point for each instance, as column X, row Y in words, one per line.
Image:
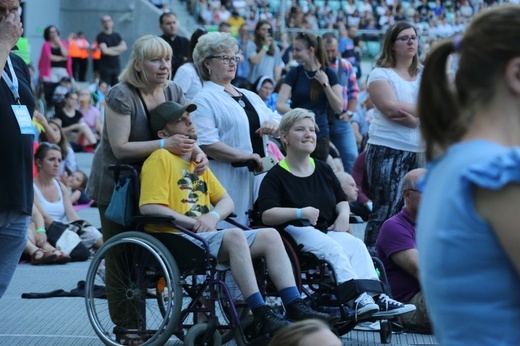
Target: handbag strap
column 146, row 111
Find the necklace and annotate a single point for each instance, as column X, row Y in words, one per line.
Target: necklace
column 237, row 98
column 310, row 77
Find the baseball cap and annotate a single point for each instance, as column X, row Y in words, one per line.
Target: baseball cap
column 168, row 112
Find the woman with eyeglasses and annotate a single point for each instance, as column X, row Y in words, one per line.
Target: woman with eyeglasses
column 231, row 122
column 394, row 145
column 314, row 86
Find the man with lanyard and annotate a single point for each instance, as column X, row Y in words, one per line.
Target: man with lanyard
column 341, row 134
column 16, row 139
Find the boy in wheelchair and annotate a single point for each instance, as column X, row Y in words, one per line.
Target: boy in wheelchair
column 169, row 187
column 304, row 197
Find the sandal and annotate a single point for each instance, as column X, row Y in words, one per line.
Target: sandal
column 61, row 257
column 45, row 258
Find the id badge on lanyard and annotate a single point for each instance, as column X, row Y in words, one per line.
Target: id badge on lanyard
column 20, row 111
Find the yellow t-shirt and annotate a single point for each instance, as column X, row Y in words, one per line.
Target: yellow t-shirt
column 168, row 180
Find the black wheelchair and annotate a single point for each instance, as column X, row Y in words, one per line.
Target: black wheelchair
column 159, row 285
column 316, row 280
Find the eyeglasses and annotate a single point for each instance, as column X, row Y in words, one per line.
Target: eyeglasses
column 226, row 59
column 418, row 191
column 50, row 145
column 407, row 38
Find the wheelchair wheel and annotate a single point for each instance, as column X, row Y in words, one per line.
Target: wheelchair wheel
column 195, row 336
column 142, row 282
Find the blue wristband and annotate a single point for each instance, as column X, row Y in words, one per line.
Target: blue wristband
column 299, row 214
column 161, row 143
column 216, row 214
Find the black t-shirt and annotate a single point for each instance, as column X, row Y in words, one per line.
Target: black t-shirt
column 321, row 190
column 57, row 51
column 180, row 46
column 109, row 62
column 16, row 182
column 66, row 121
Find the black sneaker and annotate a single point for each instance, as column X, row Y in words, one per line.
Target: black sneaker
column 266, row 322
column 298, row 311
column 389, row 307
column 364, row 306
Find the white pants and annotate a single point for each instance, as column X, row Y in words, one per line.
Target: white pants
column 346, row 253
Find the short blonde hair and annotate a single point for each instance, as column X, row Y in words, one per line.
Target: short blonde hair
column 210, row 44
column 293, row 116
column 145, row 48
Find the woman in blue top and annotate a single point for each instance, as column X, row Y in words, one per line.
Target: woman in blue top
column 312, row 85
column 468, row 233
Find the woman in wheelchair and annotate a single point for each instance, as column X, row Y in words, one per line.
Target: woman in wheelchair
column 304, row 197
column 188, row 197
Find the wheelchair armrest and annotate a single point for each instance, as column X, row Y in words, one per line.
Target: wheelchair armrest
column 152, row 219
column 355, row 219
column 250, row 164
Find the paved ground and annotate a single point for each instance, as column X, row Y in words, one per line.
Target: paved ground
column 64, row 322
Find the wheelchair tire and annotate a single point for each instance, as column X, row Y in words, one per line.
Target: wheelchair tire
column 148, row 279
column 195, row 336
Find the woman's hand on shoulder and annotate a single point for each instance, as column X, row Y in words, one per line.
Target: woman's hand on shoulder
column 179, row 144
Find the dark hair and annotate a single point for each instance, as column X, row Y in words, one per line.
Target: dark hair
column 166, row 14
column 43, row 149
column 83, row 185
column 259, row 39
column 387, row 57
column 223, row 25
column 193, row 42
column 47, row 32
column 320, row 54
column 489, row 43
column 328, row 37
column 69, row 94
column 63, row 143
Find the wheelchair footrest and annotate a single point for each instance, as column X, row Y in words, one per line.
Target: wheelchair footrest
column 353, row 288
